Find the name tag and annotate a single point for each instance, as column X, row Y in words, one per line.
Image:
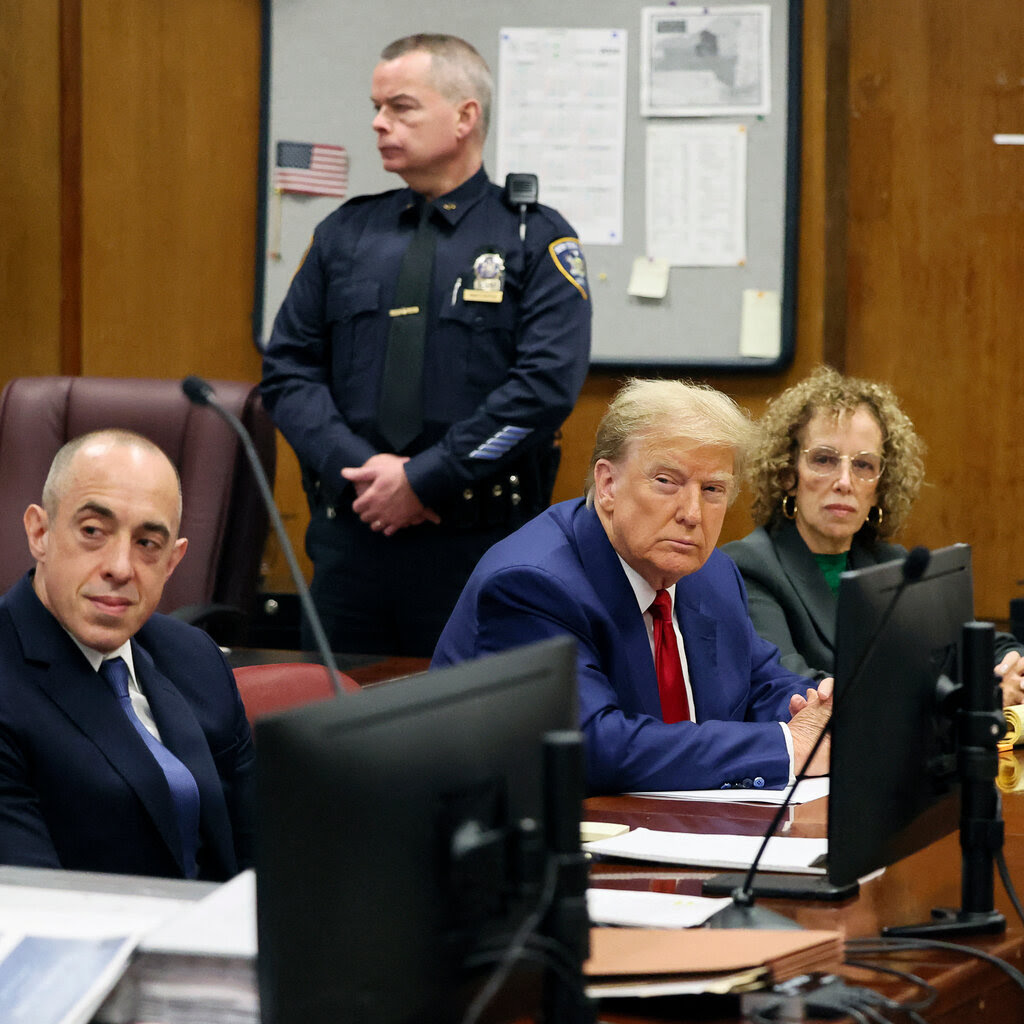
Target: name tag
column 478, row 295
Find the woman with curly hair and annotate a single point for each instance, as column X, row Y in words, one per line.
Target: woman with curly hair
column 835, row 472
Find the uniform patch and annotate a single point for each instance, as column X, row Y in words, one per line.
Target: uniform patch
column 568, row 257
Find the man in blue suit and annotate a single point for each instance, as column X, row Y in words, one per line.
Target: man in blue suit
column 663, row 472
column 152, row 778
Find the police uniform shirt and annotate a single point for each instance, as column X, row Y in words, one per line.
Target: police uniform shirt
column 507, row 347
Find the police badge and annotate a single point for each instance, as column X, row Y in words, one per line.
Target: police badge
column 488, row 279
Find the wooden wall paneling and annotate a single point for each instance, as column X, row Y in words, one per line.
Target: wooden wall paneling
column 30, row 292
column 936, row 255
column 170, row 122
column 71, row 187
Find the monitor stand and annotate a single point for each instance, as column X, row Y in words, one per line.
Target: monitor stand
column 981, row 726
column 780, row 886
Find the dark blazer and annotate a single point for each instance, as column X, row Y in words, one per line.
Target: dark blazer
column 560, row 575
column 78, row 788
column 790, row 602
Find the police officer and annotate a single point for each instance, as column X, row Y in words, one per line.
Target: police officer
column 416, row 459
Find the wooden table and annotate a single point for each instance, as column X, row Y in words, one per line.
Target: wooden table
column 969, row 989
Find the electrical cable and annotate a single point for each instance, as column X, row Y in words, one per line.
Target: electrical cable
column 1004, row 874
column 931, row 992
column 882, row 946
column 521, row 940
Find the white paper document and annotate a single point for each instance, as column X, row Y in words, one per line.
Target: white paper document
column 705, row 62
column 562, row 116
column 221, row 924
column 636, row 908
column 784, row 853
column 697, row 194
column 806, row 790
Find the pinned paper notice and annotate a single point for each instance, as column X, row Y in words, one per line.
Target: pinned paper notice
column 761, row 324
column 649, row 279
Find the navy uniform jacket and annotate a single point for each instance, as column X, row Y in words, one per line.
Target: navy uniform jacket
column 791, row 604
column 499, row 378
column 78, row 787
column 559, row 574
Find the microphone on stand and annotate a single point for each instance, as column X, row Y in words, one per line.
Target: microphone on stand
column 742, row 913
column 200, row 392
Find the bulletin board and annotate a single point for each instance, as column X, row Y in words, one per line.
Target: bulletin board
column 319, row 57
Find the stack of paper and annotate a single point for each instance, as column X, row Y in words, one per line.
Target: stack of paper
column 695, row 849
column 199, row 967
column 654, row 961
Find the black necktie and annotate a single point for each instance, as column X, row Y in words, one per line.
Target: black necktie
column 400, row 412
column 184, row 791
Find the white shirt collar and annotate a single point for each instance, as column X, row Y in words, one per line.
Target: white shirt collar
column 96, row 658
column 643, row 591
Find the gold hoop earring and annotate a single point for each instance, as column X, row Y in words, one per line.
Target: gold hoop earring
column 789, row 506
column 877, row 521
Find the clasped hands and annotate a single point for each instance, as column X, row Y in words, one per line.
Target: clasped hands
column 384, row 498
column 1011, row 678
column 810, row 713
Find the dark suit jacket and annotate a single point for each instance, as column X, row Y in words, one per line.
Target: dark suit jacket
column 560, row 575
column 790, row 602
column 78, row 788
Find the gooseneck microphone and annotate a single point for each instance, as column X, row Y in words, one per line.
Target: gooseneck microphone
column 742, row 913
column 200, row 392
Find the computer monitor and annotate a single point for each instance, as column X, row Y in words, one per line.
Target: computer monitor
column 894, row 785
column 914, row 728
column 407, row 831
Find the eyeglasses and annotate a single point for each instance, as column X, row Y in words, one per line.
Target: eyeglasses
column 825, row 461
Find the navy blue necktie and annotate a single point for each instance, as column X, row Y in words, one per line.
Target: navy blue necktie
column 400, row 408
column 184, row 791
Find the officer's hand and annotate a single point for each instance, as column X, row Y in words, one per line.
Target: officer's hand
column 384, row 499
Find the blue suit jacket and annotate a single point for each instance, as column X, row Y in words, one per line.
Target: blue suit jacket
column 559, row 574
column 78, row 788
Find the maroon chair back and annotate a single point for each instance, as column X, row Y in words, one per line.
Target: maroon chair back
column 224, row 518
column 267, row 688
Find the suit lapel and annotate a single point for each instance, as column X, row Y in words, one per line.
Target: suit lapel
column 808, row 580
column 182, row 734
column 631, row 651
column 700, row 641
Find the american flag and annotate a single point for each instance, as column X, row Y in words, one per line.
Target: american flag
column 312, row 168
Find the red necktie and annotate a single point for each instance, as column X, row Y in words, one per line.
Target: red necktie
column 671, row 684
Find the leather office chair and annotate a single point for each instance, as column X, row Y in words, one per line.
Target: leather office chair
column 267, row 688
column 216, row 584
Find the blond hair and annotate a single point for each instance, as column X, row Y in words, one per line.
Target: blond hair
column 653, row 412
